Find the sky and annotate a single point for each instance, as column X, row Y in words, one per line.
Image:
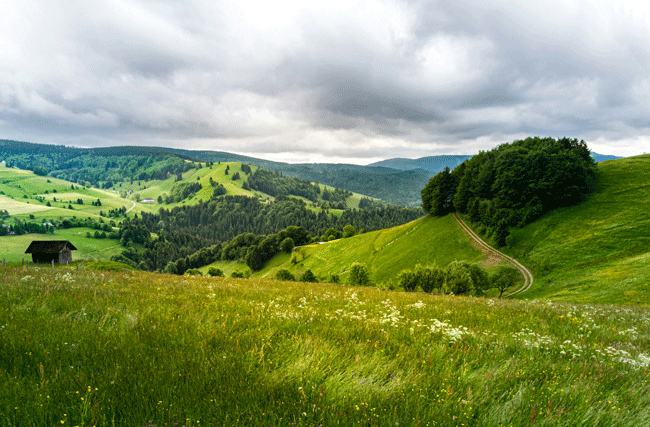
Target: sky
column 336, row 81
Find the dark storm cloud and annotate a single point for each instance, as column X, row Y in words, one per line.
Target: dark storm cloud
column 356, row 80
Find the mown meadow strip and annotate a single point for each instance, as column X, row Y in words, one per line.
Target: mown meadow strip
column 138, row 349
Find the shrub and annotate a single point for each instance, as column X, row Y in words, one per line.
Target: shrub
column 237, row 275
column 193, row 272
column 284, row 274
column 334, row 278
column 359, row 275
column 348, row 231
column 308, row 276
column 215, row 272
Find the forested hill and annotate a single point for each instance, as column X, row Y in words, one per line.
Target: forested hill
column 98, row 167
column 432, row 164
column 184, row 230
column 513, row 184
column 401, row 187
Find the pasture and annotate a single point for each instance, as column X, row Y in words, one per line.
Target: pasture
column 427, row 241
column 129, row 348
column 597, row 251
column 12, row 248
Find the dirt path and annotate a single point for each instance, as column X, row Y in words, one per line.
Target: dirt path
column 129, row 210
column 528, row 276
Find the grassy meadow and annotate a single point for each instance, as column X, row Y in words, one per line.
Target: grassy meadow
column 597, row 251
column 427, row 241
column 88, row 248
column 104, row 348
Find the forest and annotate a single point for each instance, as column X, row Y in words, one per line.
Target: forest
column 513, row 184
column 185, row 230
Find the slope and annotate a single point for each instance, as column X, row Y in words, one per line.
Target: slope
column 597, row 251
column 428, row 240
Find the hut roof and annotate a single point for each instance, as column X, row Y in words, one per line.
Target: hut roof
column 49, row 246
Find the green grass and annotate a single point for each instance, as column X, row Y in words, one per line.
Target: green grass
column 227, row 267
column 22, row 188
column 13, row 247
column 82, row 347
column 427, row 241
column 599, row 250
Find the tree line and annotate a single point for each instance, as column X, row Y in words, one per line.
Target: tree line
column 185, row 230
column 513, row 184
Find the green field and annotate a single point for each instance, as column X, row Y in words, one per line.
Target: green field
column 598, row 251
column 82, row 347
column 427, row 241
column 88, row 249
column 22, row 194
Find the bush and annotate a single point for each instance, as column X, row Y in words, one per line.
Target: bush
column 284, row 274
column 287, row 245
column 308, row 276
column 215, row 272
column 348, row 231
column 359, row 275
column 334, row 278
column 463, row 277
column 193, row 272
column 237, row 275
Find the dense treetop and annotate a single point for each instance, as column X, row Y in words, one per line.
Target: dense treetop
column 514, row 183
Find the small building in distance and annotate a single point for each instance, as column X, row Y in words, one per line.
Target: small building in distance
column 147, row 200
column 46, row 251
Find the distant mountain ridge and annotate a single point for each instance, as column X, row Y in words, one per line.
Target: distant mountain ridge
column 435, row 164
column 432, row 164
column 396, row 180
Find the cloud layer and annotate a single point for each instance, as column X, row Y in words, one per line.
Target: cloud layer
column 346, row 81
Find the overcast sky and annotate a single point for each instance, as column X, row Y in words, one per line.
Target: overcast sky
column 348, row 81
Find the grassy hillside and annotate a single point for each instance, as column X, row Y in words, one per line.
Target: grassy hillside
column 130, row 348
column 598, row 251
column 386, row 253
column 23, row 193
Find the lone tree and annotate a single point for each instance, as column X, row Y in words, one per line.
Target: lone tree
column 359, row 275
column 503, row 277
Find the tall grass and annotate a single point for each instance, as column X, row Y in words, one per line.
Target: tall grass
column 130, row 348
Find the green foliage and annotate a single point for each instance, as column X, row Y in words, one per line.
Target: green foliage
column 504, row 276
column 513, row 184
column 437, row 195
column 285, row 275
column 426, row 278
column 40, row 171
column 215, row 272
column 334, row 278
column 237, row 275
column 349, row 231
column 458, row 279
column 359, row 275
column 308, row 276
column 287, row 245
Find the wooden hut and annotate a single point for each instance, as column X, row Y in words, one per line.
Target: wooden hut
column 46, row 251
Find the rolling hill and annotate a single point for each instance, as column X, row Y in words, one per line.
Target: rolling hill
column 597, row 251
column 427, row 241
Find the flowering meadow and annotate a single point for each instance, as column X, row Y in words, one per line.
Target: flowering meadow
column 91, row 348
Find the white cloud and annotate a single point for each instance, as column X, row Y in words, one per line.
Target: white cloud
column 325, row 80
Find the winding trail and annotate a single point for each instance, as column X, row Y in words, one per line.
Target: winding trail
column 129, row 210
column 528, row 276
